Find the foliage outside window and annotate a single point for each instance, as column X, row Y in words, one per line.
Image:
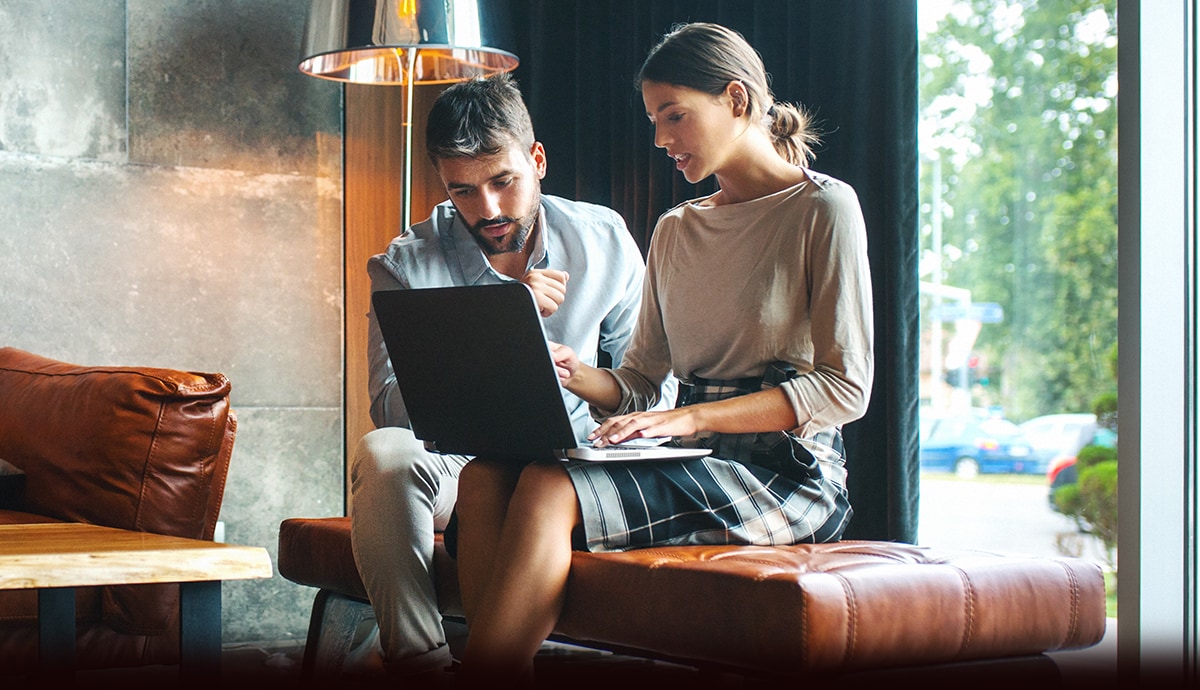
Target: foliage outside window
column 1092, row 499
column 1019, row 175
column 1019, row 226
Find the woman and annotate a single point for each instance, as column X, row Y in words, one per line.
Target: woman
column 758, row 297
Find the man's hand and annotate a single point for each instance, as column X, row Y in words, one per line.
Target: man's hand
column 597, row 386
column 566, row 362
column 549, row 288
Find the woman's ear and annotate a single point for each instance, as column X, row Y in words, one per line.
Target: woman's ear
column 739, row 97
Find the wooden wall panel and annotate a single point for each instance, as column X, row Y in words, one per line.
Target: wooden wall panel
column 373, row 172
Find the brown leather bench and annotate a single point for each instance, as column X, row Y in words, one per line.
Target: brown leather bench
column 842, row 608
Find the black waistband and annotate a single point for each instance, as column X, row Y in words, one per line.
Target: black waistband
column 701, row 382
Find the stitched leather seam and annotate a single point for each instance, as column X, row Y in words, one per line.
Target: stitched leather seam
column 776, row 569
column 968, row 611
column 148, row 465
column 785, row 567
column 207, row 462
column 207, row 383
column 759, row 561
column 226, row 452
column 665, row 556
column 1073, row 580
column 875, row 554
column 851, row 609
column 805, row 655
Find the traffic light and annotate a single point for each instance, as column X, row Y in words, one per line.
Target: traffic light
column 977, row 375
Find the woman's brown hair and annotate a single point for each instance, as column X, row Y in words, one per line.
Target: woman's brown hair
column 707, row 57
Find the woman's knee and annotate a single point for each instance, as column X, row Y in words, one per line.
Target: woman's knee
column 545, row 486
column 483, row 482
column 481, row 472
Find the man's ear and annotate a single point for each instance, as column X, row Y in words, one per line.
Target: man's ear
column 538, row 153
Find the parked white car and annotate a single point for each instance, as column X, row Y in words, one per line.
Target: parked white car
column 1057, row 435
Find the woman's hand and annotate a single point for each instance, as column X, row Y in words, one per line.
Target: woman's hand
column 549, row 288
column 680, row 421
column 768, row 410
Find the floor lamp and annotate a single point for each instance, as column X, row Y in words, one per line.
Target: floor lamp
column 404, row 42
column 396, row 43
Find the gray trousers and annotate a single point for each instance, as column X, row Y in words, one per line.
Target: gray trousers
column 400, row 494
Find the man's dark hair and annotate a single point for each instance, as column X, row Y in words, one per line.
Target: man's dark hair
column 479, row 117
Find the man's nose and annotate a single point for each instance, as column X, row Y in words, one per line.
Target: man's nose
column 489, row 204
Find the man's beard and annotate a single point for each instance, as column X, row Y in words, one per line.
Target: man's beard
column 513, row 242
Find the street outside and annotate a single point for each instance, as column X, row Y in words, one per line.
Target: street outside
column 999, row 513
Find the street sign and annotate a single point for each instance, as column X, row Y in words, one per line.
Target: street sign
column 984, row 312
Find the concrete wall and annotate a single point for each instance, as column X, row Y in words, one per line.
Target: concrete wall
column 170, row 195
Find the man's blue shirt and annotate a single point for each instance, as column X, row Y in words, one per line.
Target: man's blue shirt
column 590, row 242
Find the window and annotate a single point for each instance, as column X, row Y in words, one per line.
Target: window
column 1018, row 139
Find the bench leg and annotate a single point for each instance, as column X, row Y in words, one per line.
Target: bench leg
column 331, row 630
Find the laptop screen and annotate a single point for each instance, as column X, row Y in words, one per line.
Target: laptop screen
column 474, row 369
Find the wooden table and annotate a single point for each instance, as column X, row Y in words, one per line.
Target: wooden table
column 54, row 558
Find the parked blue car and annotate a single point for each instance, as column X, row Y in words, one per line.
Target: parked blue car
column 972, row 445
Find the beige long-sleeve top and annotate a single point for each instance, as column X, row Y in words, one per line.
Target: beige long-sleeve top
column 730, row 289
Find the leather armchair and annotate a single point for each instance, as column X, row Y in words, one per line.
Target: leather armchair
column 142, row 449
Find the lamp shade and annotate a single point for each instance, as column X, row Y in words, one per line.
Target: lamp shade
column 404, row 41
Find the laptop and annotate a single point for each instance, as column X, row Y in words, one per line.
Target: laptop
column 475, row 371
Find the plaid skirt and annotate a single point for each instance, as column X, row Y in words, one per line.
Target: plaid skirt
column 767, row 488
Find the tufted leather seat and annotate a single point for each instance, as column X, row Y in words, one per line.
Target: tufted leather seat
column 794, row 610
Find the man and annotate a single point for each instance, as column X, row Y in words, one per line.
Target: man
column 586, row 273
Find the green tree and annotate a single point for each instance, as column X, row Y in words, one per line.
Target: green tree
column 1092, row 499
column 1018, row 106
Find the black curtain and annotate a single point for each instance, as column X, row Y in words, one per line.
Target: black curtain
column 853, row 65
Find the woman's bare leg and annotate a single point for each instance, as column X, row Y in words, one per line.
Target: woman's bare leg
column 484, row 489
column 522, row 600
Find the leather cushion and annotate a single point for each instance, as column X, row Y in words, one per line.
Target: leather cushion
column 317, row 552
column 825, row 607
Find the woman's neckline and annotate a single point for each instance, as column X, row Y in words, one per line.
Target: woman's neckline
column 707, row 202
